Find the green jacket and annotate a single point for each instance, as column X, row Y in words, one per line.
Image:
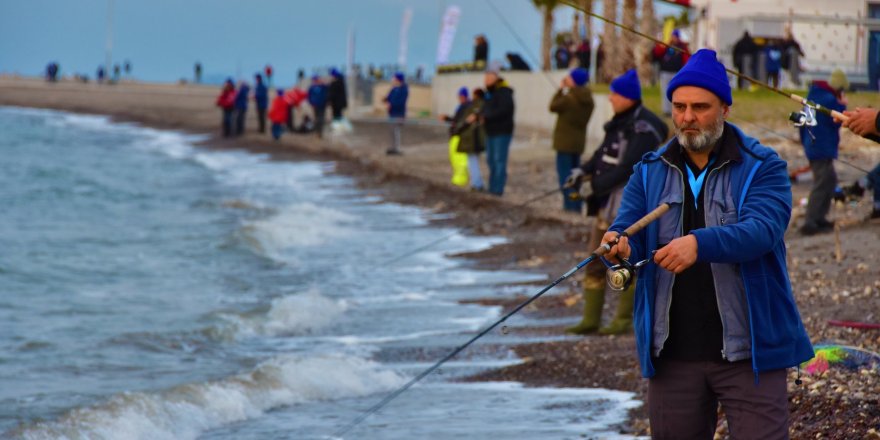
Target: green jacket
column 472, row 136
column 573, row 109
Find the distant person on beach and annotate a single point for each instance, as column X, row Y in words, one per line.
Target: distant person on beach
column 318, row 101
column 772, row 62
column 294, row 96
column 791, row 57
column 226, row 102
column 865, row 122
column 117, row 73
column 457, row 160
column 198, row 73
column 241, row 105
column 670, row 62
column 745, row 58
column 821, row 145
column 472, row 138
column 127, row 68
column 715, row 318
column 278, row 114
column 100, row 74
column 336, row 94
column 497, row 118
column 261, row 99
column 630, row 134
column 481, row 52
column 573, row 105
column 52, row 72
column 396, row 103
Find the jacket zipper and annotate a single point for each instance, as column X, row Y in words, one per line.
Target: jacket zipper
column 714, row 278
column 672, row 286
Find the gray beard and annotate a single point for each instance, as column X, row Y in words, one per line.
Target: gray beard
column 702, row 141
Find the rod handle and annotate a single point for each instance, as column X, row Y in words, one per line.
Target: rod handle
column 634, row 228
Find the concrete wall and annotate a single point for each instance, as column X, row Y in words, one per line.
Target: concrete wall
column 532, row 92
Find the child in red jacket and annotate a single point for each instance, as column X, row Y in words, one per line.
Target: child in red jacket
column 278, row 114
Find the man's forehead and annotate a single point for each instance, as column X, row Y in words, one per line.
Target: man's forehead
column 694, row 95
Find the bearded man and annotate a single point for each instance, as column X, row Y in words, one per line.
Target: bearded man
column 715, row 318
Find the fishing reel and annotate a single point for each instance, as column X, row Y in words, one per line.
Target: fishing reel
column 620, row 276
column 805, row 117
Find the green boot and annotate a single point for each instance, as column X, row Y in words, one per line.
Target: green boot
column 623, row 317
column 594, row 299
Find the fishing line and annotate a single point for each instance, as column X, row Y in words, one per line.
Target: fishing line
column 521, row 43
column 792, row 96
column 453, row 234
column 599, row 252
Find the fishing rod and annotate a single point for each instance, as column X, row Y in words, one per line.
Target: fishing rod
column 792, row 139
column 453, row 234
column 598, row 253
column 525, row 48
column 809, row 106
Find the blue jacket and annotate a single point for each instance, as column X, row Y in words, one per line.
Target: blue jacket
column 747, row 207
column 397, row 98
column 827, row 133
column 241, row 97
column 774, row 58
column 261, row 95
column 318, row 96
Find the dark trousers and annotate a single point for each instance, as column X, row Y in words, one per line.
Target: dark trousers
column 337, row 113
column 277, row 129
column 240, row 113
column 227, row 122
column 320, row 114
column 683, row 400
column 261, row 119
column 497, row 150
column 874, row 184
column 290, row 126
column 824, row 182
column 565, row 162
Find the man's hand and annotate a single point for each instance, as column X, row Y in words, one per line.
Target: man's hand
column 862, row 121
column 471, row 118
column 574, row 177
column 621, row 249
column 678, row 255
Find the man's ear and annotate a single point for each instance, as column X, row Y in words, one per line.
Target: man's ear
column 725, row 110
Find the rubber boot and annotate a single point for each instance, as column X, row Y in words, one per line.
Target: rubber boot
column 594, row 299
column 623, row 317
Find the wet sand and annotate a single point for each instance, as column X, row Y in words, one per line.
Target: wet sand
column 542, row 238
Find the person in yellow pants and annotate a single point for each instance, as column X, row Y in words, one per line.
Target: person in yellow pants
column 458, row 161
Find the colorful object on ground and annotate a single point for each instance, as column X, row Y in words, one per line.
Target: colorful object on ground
column 458, row 162
column 852, row 358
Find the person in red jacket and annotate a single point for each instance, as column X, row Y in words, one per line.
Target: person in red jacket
column 294, row 97
column 278, row 114
column 226, row 102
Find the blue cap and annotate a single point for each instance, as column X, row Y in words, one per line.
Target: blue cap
column 579, row 76
column 280, row 92
column 334, row 72
column 315, row 77
column 676, row 33
column 463, row 92
column 400, row 76
column 628, row 85
column 703, row 70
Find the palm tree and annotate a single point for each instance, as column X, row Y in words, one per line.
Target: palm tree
column 628, row 40
column 647, row 26
column 546, row 7
column 610, row 60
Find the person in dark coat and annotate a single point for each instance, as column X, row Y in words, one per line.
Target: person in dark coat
column 865, row 122
column 336, row 94
column 497, row 118
column 517, row 62
column 261, row 98
column 670, row 62
column 396, row 102
column 458, row 160
column 241, row 104
column 318, row 101
column 791, row 57
column 744, row 52
column 481, row 52
column 631, row 133
column 821, row 146
column 573, row 105
column 226, row 102
column 472, row 138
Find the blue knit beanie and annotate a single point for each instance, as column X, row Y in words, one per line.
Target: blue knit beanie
column 280, row 92
column 463, row 92
column 627, row 85
column 579, row 76
column 400, row 76
column 703, row 70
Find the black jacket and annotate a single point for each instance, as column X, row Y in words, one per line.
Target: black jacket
column 336, row 94
column 498, row 109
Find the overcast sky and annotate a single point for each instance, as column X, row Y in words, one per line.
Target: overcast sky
column 163, row 38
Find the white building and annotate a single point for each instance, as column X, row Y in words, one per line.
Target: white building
column 832, row 33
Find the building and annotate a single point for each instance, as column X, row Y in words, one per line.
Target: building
column 841, row 34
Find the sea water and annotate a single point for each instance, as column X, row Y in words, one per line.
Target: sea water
column 152, row 289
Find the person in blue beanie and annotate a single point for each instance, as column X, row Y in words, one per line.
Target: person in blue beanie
column 631, row 133
column 337, row 94
column 715, row 318
column 241, row 105
column 261, row 98
column 573, row 105
column 318, row 101
column 821, row 144
column 396, row 102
